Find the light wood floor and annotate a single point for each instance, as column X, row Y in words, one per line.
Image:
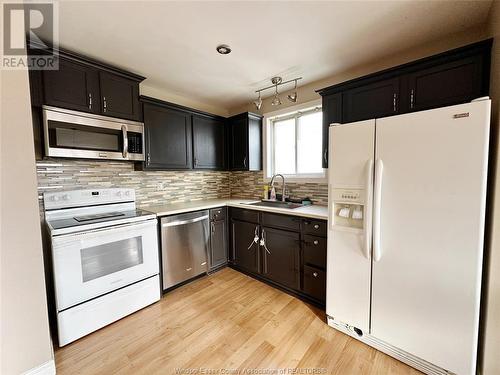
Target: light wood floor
column 223, row 323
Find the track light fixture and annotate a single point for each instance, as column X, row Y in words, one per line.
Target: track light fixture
column 277, row 81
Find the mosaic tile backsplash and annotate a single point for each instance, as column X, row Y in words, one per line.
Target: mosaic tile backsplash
column 153, row 188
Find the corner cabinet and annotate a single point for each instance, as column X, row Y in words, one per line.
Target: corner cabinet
column 453, row 77
column 245, row 142
column 208, row 142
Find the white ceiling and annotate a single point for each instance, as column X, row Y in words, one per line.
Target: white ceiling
column 173, row 43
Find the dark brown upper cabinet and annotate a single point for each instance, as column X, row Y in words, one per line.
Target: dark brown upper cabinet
column 73, row 86
column 119, row 96
column 446, row 84
column 167, row 138
column 449, row 78
column 379, row 99
column 332, row 113
column 87, row 85
column 208, row 142
column 245, row 142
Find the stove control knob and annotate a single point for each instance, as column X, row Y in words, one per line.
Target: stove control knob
column 65, row 197
column 55, row 198
column 119, row 193
column 127, row 193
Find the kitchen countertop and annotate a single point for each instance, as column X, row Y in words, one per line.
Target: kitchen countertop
column 312, row 211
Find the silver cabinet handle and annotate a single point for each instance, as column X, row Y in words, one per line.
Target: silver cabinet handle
column 125, row 141
column 213, row 228
column 263, row 242
column 315, row 242
column 195, row 161
column 394, row 97
column 90, row 100
column 245, row 161
column 316, row 226
column 255, row 237
column 104, row 103
column 412, row 98
column 315, row 274
column 182, row 222
column 149, row 159
column 325, row 155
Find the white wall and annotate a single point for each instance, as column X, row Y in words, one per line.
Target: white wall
column 24, row 330
column 491, row 349
column 181, row 100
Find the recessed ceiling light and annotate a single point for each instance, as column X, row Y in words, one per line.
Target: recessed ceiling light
column 223, row 49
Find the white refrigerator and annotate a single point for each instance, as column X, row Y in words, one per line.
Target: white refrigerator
column 405, row 244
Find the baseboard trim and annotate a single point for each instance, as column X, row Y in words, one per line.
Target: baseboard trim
column 47, row 368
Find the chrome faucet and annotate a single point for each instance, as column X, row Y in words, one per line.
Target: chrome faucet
column 271, row 184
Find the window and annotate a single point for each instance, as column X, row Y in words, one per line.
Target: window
column 294, row 144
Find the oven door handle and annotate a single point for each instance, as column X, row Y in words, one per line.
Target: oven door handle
column 125, row 141
column 136, row 225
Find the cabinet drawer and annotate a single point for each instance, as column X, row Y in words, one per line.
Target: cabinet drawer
column 245, row 215
column 315, row 251
column 218, row 214
column 281, row 221
column 315, row 227
column 315, row 283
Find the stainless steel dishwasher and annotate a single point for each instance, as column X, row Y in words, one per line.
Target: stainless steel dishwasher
column 184, row 247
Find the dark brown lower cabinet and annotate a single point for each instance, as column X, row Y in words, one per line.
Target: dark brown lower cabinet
column 315, row 282
column 292, row 258
column 218, row 240
column 281, row 257
column 245, row 252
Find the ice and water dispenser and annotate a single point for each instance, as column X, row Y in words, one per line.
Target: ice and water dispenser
column 348, row 208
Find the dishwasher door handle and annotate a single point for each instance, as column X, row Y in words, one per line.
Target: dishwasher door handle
column 182, row 222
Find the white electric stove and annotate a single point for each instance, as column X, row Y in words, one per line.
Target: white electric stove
column 104, row 256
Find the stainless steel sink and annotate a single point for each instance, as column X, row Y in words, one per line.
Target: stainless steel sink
column 276, row 204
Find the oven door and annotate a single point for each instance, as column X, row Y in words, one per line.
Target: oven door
column 83, row 135
column 93, row 263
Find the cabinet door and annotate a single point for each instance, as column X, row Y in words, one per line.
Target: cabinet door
column 455, row 82
column 218, row 244
column 239, row 144
column 208, row 143
column 120, row 96
column 282, row 257
column 246, row 253
column 315, row 283
column 332, row 113
column 73, row 86
column 167, row 138
column 379, row 99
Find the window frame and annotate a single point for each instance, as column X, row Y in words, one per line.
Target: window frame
column 269, row 141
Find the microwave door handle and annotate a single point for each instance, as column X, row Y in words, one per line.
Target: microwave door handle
column 125, row 141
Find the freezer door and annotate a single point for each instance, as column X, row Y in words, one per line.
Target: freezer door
column 428, row 243
column 349, row 234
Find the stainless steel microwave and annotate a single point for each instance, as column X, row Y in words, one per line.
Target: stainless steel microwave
column 73, row 134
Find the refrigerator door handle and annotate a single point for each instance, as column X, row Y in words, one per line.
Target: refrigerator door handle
column 368, row 209
column 379, row 171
